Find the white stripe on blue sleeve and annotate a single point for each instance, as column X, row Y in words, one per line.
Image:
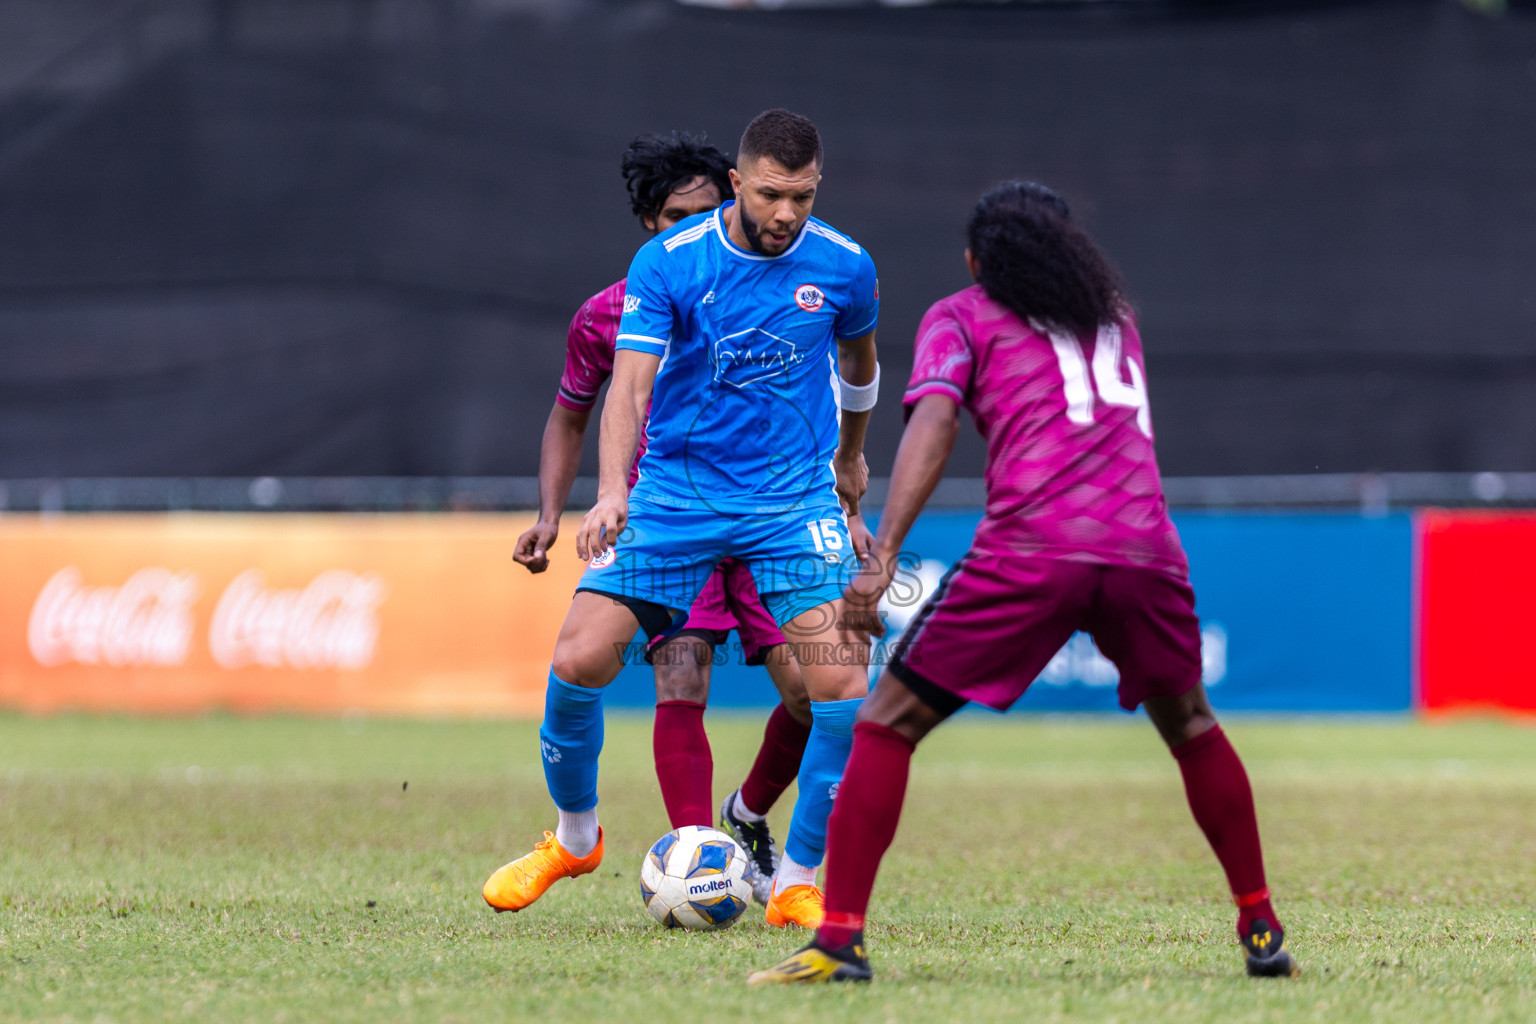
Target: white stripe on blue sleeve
column 640, row 343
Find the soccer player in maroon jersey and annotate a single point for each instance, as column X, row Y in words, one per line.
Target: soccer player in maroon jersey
column 671, row 178
column 1045, row 354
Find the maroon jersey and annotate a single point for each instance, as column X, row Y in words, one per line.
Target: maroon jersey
column 589, row 356
column 1070, row 468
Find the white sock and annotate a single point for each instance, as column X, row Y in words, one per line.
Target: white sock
column 577, row 832
column 792, row 874
column 743, row 812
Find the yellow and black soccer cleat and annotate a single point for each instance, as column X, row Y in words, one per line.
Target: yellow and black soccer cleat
column 1267, row 956
column 846, row 963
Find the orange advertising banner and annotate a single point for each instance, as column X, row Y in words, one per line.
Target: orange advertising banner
column 185, row 612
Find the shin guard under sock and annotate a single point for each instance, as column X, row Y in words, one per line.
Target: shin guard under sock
column 821, row 769
column 684, row 765
column 1222, row 802
column 571, row 738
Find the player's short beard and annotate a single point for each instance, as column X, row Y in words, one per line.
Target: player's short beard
column 753, row 230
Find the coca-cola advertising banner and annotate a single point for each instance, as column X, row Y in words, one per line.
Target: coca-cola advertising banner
column 179, row 613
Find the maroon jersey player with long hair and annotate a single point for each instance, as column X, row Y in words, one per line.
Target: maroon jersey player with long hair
column 1045, row 354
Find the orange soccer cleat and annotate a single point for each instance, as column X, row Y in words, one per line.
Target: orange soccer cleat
column 799, row 904
column 516, row 885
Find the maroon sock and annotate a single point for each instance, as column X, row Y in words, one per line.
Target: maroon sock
column 684, row 766
column 1219, row 795
column 862, row 825
column 778, row 761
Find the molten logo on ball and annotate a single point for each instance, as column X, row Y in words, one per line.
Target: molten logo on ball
column 696, row 877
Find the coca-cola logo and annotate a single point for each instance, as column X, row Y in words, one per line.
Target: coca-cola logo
column 332, row 623
column 145, row 621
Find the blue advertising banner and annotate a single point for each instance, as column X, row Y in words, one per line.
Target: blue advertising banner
column 1314, row 612
column 1299, row 613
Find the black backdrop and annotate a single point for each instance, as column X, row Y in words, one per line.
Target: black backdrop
column 268, row 256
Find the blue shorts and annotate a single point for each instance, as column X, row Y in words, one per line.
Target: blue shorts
column 799, row 560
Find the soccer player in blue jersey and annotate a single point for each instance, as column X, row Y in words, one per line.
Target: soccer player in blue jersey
column 749, row 331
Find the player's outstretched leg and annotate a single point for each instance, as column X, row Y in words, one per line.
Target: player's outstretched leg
column 744, row 813
column 861, row 828
column 570, row 740
column 1222, row 801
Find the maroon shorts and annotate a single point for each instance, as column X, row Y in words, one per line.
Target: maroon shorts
column 730, row 601
column 997, row 620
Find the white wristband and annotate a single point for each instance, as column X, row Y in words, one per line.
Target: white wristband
column 860, row 397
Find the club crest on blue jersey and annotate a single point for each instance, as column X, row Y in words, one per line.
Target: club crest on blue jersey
column 748, row 357
column 810, row 298
column 604, row 560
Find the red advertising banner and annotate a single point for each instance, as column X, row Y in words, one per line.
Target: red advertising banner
column 188, row 612
column 1477, row 611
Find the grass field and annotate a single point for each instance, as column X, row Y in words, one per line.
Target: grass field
column 277, row 870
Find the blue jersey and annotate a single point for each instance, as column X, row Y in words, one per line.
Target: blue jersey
column 744, row 417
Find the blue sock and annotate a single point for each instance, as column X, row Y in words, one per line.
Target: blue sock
column 821, row 769
column 571, row 738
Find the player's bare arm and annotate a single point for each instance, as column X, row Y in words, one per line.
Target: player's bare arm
column 857, row 360
column 634, row 375
column 559, row 459
column 920, row 461
column 858, row 530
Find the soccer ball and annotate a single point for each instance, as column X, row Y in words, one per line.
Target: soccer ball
column 695, row 877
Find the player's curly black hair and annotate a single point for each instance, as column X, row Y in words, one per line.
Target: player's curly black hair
column 654, row 165
column 1034, row 259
